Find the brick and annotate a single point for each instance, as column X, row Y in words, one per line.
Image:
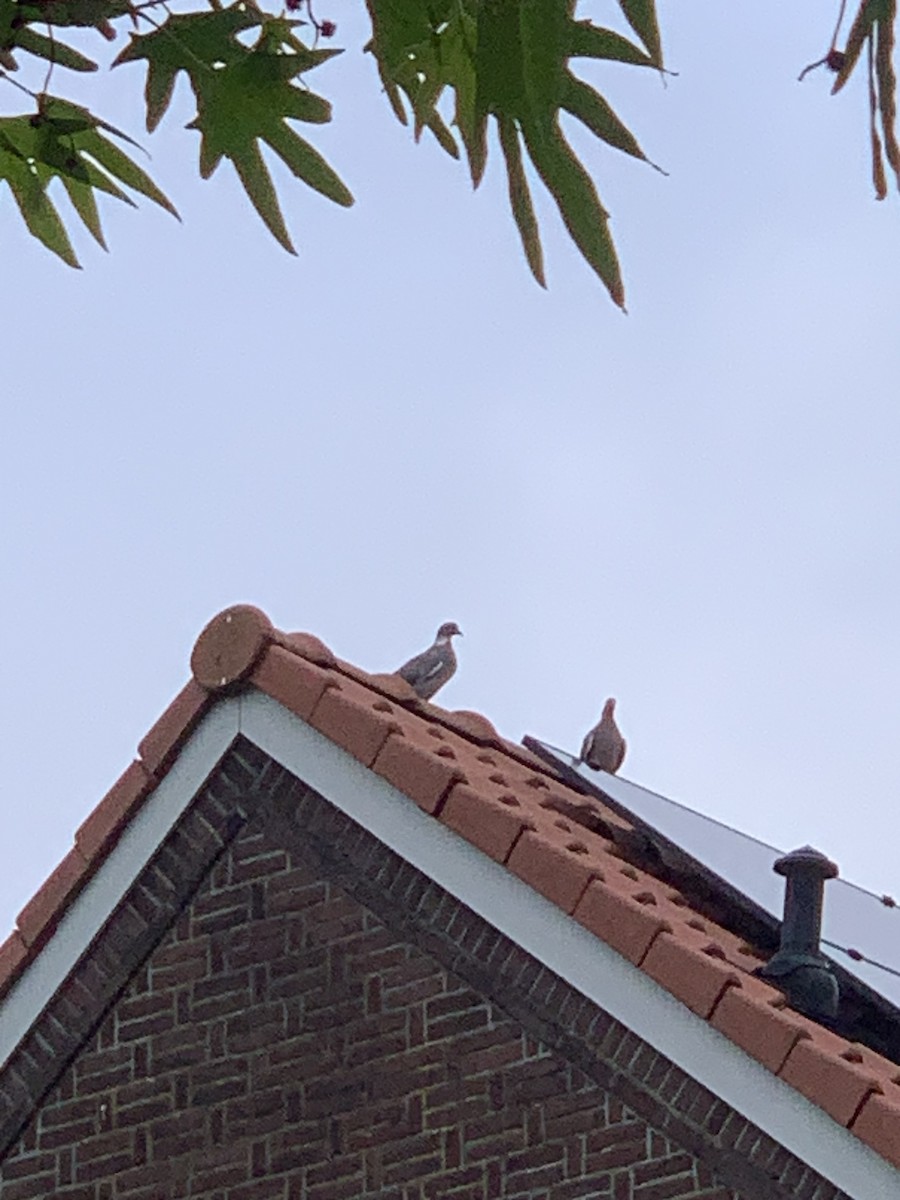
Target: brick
column 33, row 1187
column 290, row 1038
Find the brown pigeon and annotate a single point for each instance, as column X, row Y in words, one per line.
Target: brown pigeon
column 430, row 670
column 604, row 747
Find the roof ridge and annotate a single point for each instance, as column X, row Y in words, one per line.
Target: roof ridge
column 227, row 651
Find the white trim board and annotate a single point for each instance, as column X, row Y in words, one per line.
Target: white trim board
column 140, row 840
column 589, row 965
column 511, row 906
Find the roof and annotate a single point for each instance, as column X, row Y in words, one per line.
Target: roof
column 513, row 807
column 859, row 928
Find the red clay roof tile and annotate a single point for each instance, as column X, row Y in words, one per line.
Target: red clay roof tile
column 307, row 646
column 96, row 833
column 878, row 1124
column 696, row 978
column 559, row 862
column 815, row 1068
column 290, row 680
column 46, row 906
column 705, row 937
column 229, row 646
column 415, row 767
column 474, row 726
column 753, row 1016
column 165, row 738
column 523, row 755
column 618, row 920
column 395, row 688
column 490, row 824
column 503, row 800
column 347, row 714
column 12, row 955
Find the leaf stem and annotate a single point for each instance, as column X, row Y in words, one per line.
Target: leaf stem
column 21, row 86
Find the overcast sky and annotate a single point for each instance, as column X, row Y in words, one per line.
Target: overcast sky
column 695, row 507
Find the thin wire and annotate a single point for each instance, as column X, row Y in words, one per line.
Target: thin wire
column 858, row 956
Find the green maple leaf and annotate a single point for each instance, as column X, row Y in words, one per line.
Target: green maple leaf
column 65, row 141
column 420, row 50
column 195, row 43
column 249, row 103
column 508, row 60
column 16, row 33
column 74, row 12
column 245, row 96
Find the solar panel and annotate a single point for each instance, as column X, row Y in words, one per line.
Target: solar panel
column 853, row 918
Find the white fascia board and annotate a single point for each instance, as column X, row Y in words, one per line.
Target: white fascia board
column 489, row 889
column 569, row 950
column 140, row 840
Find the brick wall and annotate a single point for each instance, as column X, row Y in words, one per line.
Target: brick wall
column 318, row 1020
column 283, row 1044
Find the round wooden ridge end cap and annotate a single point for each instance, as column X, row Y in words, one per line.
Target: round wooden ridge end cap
column 230, row 646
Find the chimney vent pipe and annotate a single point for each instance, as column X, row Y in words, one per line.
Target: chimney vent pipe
column 799, row 968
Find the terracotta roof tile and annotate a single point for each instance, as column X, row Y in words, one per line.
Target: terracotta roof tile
column 419, row 766
column 292, row 681
column 706, row 937
column 695, row 977
column 12, row 955
column 815, row 1067
column 629, row 927
column 473, row 726
column 44, row 909
column 229, row 647
column 97, row 832
column 559, row 862
column 164, row 739
column 394, row 687
column 523, row 755
column 755, row 1018
column 878, row 1124
column 350, row 716
column 490, row 823
column 589, row 806
column 506, row 802
column 306, row 646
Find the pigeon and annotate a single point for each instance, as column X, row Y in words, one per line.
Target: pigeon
column 604, row 747
column 430, row 670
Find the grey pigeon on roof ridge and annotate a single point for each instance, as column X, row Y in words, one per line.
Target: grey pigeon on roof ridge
column 604, row 747
column 430, row 670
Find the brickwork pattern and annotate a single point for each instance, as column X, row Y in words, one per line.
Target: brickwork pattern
column 283, row 1041
column 171, row 878
column 282, row 1044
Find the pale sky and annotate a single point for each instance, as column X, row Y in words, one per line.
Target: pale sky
column 694, row 508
